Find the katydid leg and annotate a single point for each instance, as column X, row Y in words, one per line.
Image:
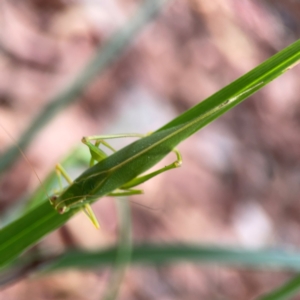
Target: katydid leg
column 136, row 181
column 61, row 172
column 126, row 192
column 116, row 193
column 96, row 153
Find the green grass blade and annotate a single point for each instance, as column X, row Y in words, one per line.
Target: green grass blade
column 104, row 57
column 152, row 254
column 286, row 291
column 138, row 157
column 28, row 230
column 158, row 254
column 123, row 254
column 243, row 87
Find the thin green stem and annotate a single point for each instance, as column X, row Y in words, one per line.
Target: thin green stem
column 123, row 254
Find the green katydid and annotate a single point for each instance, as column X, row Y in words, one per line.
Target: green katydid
column 107, row 178
column 63, row 204
column 110, row 176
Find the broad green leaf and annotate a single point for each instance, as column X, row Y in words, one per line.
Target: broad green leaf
column 138, row 157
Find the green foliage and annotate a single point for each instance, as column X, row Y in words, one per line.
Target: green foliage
column 284, row 292
column 152, row 254
column 135, row 159
column 141, row 155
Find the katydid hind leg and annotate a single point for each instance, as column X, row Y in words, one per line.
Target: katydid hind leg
column 139, row 180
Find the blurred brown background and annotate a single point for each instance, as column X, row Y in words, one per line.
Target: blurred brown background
column 240, row 180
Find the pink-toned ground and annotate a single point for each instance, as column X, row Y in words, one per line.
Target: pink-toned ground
column 240, row 180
